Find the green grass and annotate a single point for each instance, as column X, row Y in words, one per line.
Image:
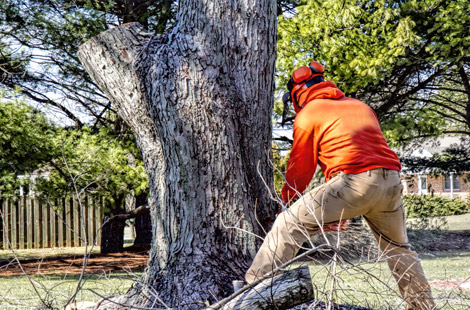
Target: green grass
column 364, row 284
column 37, row 254
column 18, row 292
column 451, row 223
column 370, row 284
column 458, row 222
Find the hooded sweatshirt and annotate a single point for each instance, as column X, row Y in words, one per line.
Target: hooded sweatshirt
column 340, row 134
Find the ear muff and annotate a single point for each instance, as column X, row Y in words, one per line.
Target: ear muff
column 301, row 74
column 294, row 95
column 305, row 75
column 316, row 67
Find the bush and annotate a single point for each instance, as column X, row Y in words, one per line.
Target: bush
column 427, row 205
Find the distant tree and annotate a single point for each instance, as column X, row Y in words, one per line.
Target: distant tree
column 39, row 40
column 103, row 164
column 25, row 142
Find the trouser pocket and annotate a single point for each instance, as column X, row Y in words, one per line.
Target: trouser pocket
column 393, row 195
column 353, row 190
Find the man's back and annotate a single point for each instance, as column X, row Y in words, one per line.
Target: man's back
column 347, row 136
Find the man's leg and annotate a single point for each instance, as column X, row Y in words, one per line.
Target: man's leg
column 387, row 221
column 296, row 225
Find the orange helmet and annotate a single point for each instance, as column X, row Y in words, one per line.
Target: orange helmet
column 302, row 77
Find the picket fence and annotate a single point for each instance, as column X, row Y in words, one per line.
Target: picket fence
column 30, row 223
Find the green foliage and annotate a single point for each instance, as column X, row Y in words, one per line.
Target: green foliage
column 100, row 163
column 360, row 41
column 279, row 163
column 406, row 59
column 25, row 141
column 416, row 122
column 422, row 206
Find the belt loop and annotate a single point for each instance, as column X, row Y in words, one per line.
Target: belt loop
column 369, row 172
column 384, row 171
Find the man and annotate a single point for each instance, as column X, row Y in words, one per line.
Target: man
column 343, row 136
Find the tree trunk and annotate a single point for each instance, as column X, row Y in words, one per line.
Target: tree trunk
column 142, row 223
column 143, row 230
column 199, row 101
column 112, row 230
column 112, row 236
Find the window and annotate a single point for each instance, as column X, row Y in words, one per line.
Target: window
column 422, row 184
column 455, row 182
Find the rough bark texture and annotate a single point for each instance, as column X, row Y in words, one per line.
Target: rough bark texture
column 112, row 230
column 112, row 236
column 199, row 101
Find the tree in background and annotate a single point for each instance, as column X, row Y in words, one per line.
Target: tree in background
column 38, row 57
column 78, row 162
column 25, row 142
column 101, row 164
column 39, row 42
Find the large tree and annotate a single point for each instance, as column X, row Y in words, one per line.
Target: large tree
column 199, row 101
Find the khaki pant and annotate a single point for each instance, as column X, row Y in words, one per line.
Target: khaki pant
column 374, row 194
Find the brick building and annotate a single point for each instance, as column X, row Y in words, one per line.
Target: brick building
column 449, row 185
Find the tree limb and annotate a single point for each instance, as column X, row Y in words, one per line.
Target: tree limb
column 132, row 214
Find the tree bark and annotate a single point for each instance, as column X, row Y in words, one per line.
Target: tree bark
column 199, row 101
column 112, row 236
column 112, row 230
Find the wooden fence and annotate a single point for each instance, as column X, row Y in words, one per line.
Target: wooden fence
column 29, row 223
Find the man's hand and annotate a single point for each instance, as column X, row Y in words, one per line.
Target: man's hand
column 337, row 226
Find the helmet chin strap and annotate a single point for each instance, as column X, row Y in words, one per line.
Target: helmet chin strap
column 315, row 80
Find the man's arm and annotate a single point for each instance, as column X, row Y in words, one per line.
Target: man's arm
column 301, row 165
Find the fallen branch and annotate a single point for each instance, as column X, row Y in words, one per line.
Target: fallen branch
column 295, row 284
column 285, row 291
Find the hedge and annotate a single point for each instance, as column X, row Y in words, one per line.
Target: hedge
column 427, row 205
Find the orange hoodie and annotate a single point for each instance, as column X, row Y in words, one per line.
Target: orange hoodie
column 341, row 134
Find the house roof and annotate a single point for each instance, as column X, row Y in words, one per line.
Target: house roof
column 435, row 146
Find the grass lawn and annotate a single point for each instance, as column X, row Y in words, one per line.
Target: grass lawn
column 451, row 223
column 370, row 284
column 362, row 283
column 37, row 254
column 19, row 292
column 458, row 222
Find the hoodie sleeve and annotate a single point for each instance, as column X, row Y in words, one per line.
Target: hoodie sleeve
column 301, row 165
